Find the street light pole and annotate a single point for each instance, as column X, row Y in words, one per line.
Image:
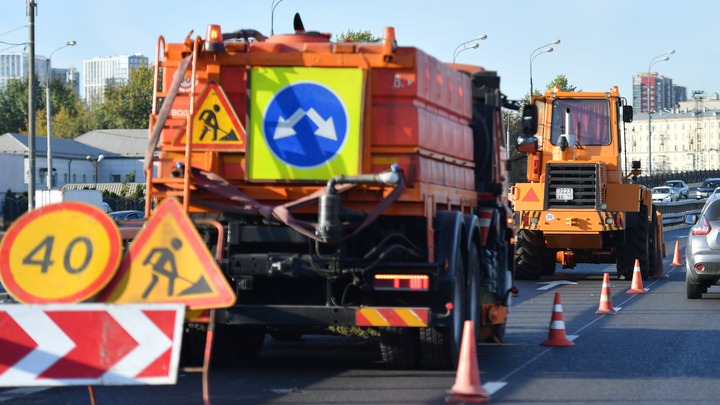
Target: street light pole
column 474, row 46
column 49, row 121
column 533, row 56
column 95, row 164
column 272, row 15
column 31, row 7
column 649, row 112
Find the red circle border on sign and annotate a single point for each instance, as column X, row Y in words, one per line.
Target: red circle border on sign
column 103, row 279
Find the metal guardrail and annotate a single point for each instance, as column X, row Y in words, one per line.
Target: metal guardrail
column 674, row 212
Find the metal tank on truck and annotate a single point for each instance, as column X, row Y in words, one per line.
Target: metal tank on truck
column 357, row 185
column 578, row 207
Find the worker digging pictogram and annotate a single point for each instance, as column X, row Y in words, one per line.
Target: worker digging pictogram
column 210, row 123
column 167, row 257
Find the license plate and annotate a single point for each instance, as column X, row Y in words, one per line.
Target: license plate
column 564, row 194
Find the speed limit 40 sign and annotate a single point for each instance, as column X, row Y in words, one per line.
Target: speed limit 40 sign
column 60, row 253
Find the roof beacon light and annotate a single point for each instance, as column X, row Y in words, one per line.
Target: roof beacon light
column 213, row 39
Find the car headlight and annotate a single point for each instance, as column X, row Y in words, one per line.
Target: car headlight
column 666, row 199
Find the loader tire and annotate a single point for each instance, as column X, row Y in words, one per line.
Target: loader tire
column 529, row 247
column 549, row 262
column 400, row 347
column 654, row 248
column 635, row 246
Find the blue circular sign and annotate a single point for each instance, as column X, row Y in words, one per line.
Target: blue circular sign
column 305, row 124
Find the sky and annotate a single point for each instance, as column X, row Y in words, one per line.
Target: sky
column 603, row 43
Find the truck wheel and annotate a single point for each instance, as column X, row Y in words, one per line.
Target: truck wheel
column 399, row 347
column 528, row 255
column 440, row 346
column 473, row 294
column 635, row 246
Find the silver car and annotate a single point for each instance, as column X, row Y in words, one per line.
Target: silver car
column 665, row 194
column 680, row 186
column 702, row 268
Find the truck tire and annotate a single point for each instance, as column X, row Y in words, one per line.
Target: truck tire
column 635, row 246
column 654, row 249
column 399, row 347
column 528, row 254
column 440, row 346
column 473, row 293
column 230, row 344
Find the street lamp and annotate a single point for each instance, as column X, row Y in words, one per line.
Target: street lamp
column 272, row 14
column 49, row 121
column 533, row 55
column 95, row 163
column 650, row 65
column 474, row 46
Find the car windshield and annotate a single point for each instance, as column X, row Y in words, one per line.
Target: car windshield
column 589, row 121
column 711, row 184
column 116, row 216
column 673, row 184
column 661, row 190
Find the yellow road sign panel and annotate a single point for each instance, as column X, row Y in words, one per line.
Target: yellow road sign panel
column 169, row 262
column 216, row 127
column 304, row 122
column 60, row 253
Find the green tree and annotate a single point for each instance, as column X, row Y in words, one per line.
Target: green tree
column 128, row 105
column 14, row 105
column 357, row 36
column 562, row 82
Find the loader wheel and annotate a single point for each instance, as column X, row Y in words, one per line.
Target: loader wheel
column 440, row 346
column 635, row 246
column 654, row 249
column 529, row 246
column 549, row 262
column 400, row 347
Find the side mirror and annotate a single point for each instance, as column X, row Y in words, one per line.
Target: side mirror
column 627, row 113
column 527, row 144
column 529, row 120
column 691, row 219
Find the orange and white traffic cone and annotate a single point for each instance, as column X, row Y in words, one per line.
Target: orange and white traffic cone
column 467, row 388
column 636, row 287
column 606, row 305
column 557, row 336
column 677, row 261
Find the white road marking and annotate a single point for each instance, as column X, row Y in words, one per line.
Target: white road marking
column 572, row 337
column 551, row 284
column 12, row 394
column 493, row 387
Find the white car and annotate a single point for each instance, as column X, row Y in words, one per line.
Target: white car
column 665, row 194
column 680, row 185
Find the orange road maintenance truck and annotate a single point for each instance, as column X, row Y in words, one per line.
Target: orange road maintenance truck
column 578, row 207
column 357, row 184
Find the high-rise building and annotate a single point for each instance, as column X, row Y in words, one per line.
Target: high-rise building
column 69, row 77
column 662, row 95
column 15, row 65
column 680, row 93
column 101, row 71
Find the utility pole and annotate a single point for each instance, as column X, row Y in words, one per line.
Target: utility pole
column 31, row 7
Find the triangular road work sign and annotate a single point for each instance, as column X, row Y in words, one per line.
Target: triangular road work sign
column 216, row 127
column 169, row 262
column 531, row 196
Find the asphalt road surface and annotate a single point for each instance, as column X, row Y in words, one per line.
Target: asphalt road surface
column 659, row 348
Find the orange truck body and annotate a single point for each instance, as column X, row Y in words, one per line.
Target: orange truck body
column 415, row 118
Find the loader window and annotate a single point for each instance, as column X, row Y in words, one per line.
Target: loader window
column 589, row 121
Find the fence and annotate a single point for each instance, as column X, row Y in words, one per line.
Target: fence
column 12, row 208
column 695, row 176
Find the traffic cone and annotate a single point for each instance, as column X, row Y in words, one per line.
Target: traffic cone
column 636, row 286
column 557, row 336
column 467, row 388
column 677, row 261
column 659, row 269
column 606, row 305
